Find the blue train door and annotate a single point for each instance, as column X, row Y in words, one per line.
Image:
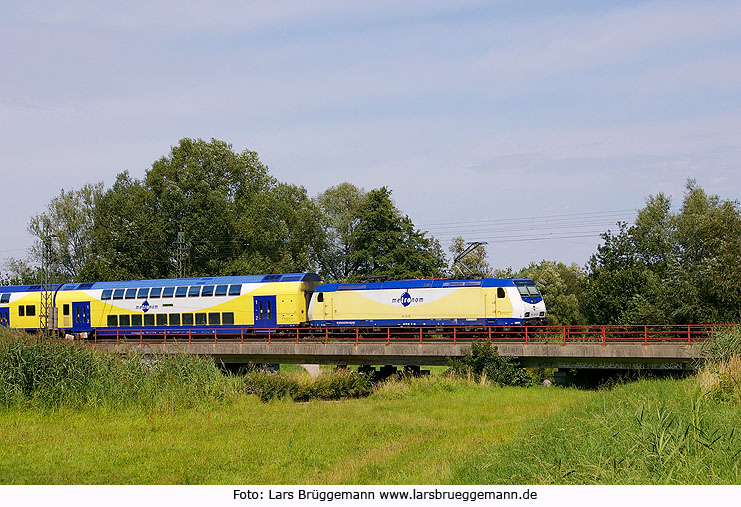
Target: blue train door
column 265, row 312
column 80, row 317
column 5, row 317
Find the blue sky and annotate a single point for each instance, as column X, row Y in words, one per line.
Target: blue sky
column 498, row 120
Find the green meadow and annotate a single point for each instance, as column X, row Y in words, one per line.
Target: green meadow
column 130, row 420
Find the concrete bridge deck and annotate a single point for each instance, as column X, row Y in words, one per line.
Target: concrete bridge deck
column 546, row 355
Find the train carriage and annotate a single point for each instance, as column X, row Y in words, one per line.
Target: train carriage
column 482, row 302
column 260, row 301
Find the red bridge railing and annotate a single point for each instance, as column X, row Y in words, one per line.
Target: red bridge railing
column 604, row 334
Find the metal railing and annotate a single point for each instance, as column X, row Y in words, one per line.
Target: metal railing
column 604, row 334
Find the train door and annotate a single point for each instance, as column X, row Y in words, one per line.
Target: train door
column 265, row 316
column 328, row 306
column 81, row 317
column 4, row 317
column 490, row 305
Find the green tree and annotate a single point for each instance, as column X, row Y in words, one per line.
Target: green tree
column 67, row 226
column 235, row 218
column 19, row 272
column 339, row 206
column 386, row 244
column 561, row 288
column 682, row 267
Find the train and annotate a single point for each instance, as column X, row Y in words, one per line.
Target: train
column 271, row 301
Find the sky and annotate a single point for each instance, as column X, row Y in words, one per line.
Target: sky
column 531, row 125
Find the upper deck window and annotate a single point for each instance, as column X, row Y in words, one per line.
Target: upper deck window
column 142, row 294
column 167, row 292
column 235, row 290
column 221, row 290
column 5, row 298
column 107, row 293
column 194, row 291
column 181, row 292
column 208, row 290
column 155, row 292
column 118, row 294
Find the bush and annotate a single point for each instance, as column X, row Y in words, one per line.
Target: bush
column 483, row 363
column 302, row 387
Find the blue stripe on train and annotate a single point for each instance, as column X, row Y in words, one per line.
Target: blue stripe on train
column 416, row 322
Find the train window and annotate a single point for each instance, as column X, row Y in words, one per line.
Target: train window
column 143, row 293
column 107, row 293
column 181, row 292
column 118, row 294
column 235, row 290
column 194, row 291
column 227, row 318
column 112, row 321
column 161, row 319
column 174, row 319
column 5, row 298
column 268, row 309
column 320, row 297
column 155, row 293
column 136, row 320
column 30, row 310
column 208, row 290
column 221, row 290
column 130, row 293
column 259, row 313
column 527, row 288
column 21, row 311
column 200, row 319
column 124, row 321
column 148, row 319
column 500, row 292
column 65, row 310
column 187, row 319
column 167, row 292
column 214, row 319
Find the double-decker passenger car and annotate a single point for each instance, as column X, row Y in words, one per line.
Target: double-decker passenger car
column 483, row 302
column 260, row 301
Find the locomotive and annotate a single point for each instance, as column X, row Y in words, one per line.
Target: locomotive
column 271, row 302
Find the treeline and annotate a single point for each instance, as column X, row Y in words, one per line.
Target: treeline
column 206, row 210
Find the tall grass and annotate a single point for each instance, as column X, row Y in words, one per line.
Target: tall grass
column 44, row 373
column 646, row 432
column 720, row 375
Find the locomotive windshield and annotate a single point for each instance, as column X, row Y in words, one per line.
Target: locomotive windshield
column 527, row 288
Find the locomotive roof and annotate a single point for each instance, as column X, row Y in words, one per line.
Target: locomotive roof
column 171, row 282
column 421, row 284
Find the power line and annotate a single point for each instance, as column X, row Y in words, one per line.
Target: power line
column 528, row 218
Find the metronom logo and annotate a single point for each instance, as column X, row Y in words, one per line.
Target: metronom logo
column 406, row 299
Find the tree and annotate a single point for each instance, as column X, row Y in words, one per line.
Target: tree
column 66, row 227
column 682, row 267
column 386, row 244
column 19, row 272
column 339, row 206
column 561, row 288
column 235, row 217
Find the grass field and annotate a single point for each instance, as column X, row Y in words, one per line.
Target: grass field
column 410, row 433
column 645, row 432
column 69, row 415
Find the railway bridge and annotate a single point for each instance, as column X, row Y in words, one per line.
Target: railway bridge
column 661, row 347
